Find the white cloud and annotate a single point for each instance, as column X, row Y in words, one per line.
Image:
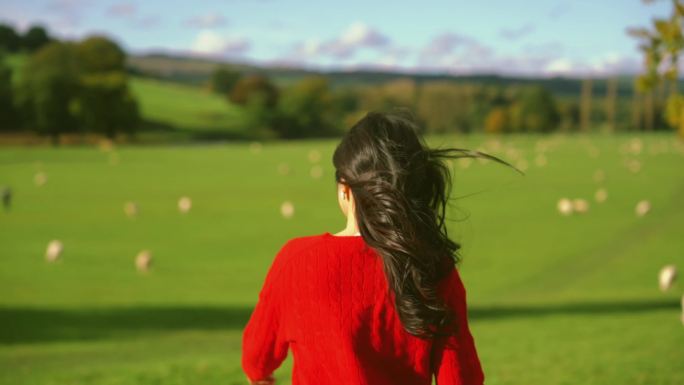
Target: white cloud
column 122, row 10
column 559, row 66
column 211, row 43
column 208, row 20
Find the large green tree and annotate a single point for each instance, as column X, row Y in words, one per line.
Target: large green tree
column 35, row 38
column 535, row 111
column 10, row 40
column 307, row 108
column 8, row 113
column 49, row 89
column 105, row 103
column 661, row 46
column 223, row 79
column 78, row 86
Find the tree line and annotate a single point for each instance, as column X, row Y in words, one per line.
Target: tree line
column 66, row 86
column 312, row 106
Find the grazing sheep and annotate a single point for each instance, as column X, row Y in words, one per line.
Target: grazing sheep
column 634, row 166
column 287, row 209
column 642, row 208
column 54, row 250
column 316, row 171
column 666, row 277
column 283, row 169
column 601, row 195
column 40, row 178
column 255, row 147
column 521, row 164
column 131, row 209
column 113, row 158
column 599, row 176
column 184, row 204
column 6, row 197
column 314, row 156
column 143, row 261
column 580, row 205
column 565, row 206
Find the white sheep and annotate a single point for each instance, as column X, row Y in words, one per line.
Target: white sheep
column 287, row 209
column 184, row 204
column 54, row 250
column 565, row 206
column 666, row 277
column 143, row 261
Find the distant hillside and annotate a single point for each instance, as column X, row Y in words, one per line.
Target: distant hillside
column 197, row 71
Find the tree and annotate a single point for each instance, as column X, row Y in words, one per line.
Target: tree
column 444, row 106
column 100, row 54
column 74, row 86
column 252, row 85
column 661, row 47
column 8, row 114
column 105, row 102
column 9, row 39
column 497, row 120
column 223, row 79
column 51, row 90
column 306, row 109
column 35, row 38
column 536, row 111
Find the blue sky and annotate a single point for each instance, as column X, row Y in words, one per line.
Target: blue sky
column 531, row 37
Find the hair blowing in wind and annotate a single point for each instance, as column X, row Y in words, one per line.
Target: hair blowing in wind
column 401, row 189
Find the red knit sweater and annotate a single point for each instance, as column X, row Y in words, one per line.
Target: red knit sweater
column 326, row 299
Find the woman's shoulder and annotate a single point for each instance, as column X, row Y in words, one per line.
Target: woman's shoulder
column 300, row 246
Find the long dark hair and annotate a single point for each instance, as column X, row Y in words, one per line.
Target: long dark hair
column 401, row 188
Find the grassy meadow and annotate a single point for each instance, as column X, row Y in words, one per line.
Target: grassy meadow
column 553, row 299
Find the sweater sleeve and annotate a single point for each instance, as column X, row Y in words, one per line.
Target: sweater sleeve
column 455, row 357
column 264, row 346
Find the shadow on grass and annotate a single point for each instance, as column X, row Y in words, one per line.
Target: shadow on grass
column 30, row 325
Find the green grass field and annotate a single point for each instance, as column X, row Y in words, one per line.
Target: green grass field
column 180, row 106
column 553, row 299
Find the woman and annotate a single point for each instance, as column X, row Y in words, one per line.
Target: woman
column 381, row 301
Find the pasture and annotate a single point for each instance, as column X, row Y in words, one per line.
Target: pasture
column 553, row 299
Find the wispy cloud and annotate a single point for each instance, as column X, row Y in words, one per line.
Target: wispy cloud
column 516, row 33
column 208, row 20
column 357, row 36
column 122, row 10
column 210, row 43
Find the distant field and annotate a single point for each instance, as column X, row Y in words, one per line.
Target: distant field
column 553, row 299
column 186, row 108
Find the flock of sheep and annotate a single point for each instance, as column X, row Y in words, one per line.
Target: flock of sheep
column 565, row 206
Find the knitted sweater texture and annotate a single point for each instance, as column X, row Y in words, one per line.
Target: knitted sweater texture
column 326, row 299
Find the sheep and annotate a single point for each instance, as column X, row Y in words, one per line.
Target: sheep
column 6, row 197
column 599, row 176
column 667, row 277
column 255, row 147
column 316, row 171
column 601, row 195
column 642, row 208
column 54, row 250
column 40, row 178
column 565, row 206
column 287, row 209
column 184, row 204
column 283, row 169
column 314, row 156
column 580, row 205
column 131, row 209
column 143, row 261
